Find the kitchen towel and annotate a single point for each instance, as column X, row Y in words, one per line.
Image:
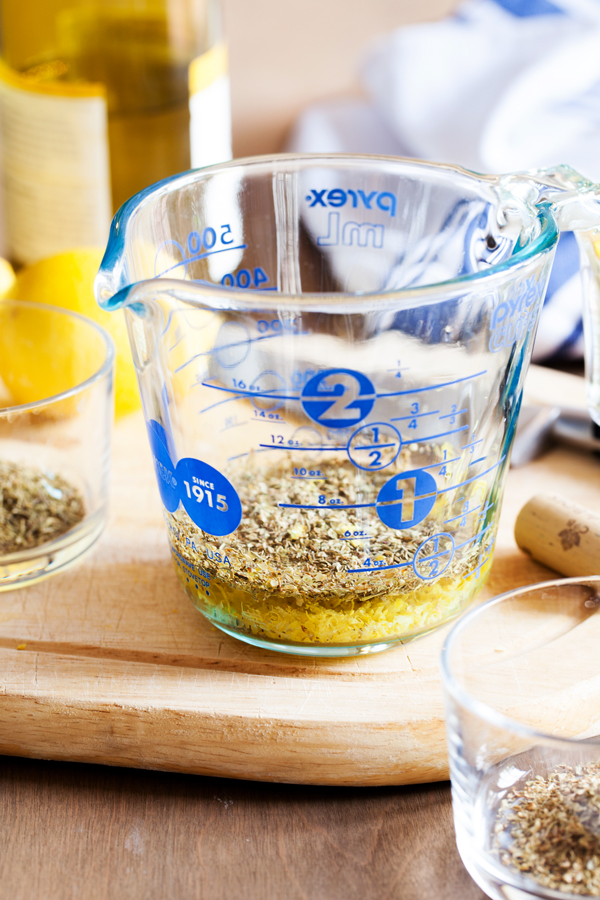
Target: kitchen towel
column 499, row 86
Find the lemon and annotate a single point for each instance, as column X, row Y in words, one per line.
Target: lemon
column 7, row 278
column 66, row 280
column 34, row 363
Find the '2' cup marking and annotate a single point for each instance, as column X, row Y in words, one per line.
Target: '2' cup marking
column 338, row 398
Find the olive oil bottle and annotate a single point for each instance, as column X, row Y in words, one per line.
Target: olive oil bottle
column 99, row 99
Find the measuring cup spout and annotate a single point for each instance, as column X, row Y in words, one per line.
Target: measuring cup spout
column 113, row 282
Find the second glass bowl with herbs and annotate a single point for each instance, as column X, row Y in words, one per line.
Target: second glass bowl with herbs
column 522, row 686
column 56, row 411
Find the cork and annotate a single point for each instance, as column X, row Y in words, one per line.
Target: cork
column 561, row 534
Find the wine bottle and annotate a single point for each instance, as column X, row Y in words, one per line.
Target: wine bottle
column 99, row 99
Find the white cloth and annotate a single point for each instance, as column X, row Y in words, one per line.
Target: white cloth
column 501, row 85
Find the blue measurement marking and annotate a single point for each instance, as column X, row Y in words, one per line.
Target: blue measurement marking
column 271, row 396
column 309, row 477
column 240, row 455
column 210, row 284
column 173, row 313
column 380, row 568
column 434, row 387
column 191, row 259
column 233, row 425
column 267, row 421
column 434, row 555
column 220, row 403
column 169, row 320
column 325, row 506
column 372, row 447
column 177, row 343
column 365, row 537
column 474, row 538
column 450, row 415
column 216, row 349
column 444, row 462
column 294, row 447
column 433, row 437
column 472, row 444
column 481, row 459
column 467, row 512
column 224, row 287
column 416, row 416
column 453, row 487
column 477, row 568
column 245, row 393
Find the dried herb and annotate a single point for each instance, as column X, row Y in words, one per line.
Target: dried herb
column 287, row 574
column 35, row 507
column 550, row 830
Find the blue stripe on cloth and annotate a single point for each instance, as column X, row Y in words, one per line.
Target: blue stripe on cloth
column 523, row 9
column 566, row 264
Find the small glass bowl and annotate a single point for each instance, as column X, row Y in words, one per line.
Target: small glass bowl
column 521, row 677
column 56, row 412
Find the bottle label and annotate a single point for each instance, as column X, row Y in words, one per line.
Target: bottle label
column 56, row 165
column 210, row 108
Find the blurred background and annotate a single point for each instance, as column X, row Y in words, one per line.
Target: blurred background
column 287, row 54
column 101, row 98
column 493, row 85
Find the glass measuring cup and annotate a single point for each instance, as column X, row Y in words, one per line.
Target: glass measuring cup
column 331, row 354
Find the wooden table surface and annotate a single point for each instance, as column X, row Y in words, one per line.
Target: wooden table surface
column 109, row 664
column 72, row 830
column 83, row 832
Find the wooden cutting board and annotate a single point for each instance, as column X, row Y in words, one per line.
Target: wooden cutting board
column 119, row 668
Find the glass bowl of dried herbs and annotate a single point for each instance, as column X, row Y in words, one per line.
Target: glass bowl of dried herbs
column 521, row 677
column 56, row 411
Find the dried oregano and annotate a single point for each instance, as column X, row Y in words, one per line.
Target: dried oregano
column 35, row 507
column 550, row 830
column 291, row 574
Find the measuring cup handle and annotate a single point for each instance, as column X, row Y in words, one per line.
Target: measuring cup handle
column 574, row 202
column 572, row 198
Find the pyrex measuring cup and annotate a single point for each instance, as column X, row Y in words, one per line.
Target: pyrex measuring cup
column 331, row 354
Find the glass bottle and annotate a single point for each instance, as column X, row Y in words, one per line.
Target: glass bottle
column 100, row 98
